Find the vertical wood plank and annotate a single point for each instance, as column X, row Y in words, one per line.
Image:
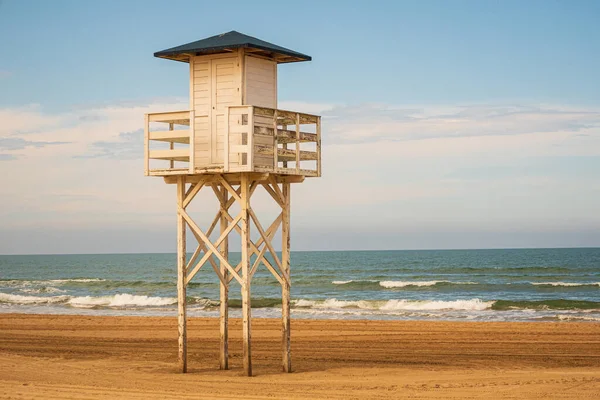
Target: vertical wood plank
column 242, row 63
column 285, row 146
column 213, row 112
column 171, row 146
column 285, row 287
column 276, row 146
column 250, row 156
column 192, row 146
column 246, row 306
column 318, row 146
column 224, row 293
column 146, row 145
column 297, row 143
column 226, row 141
column 181, row 289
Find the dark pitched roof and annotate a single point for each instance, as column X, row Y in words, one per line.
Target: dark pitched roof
column 229, row 41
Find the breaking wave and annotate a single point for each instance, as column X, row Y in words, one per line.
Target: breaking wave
column 567, row 284
column 391, row 305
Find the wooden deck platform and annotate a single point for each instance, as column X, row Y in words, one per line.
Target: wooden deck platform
column 247, row 139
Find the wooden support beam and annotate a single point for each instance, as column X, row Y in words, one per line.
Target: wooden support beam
column 255, row 248
column 213, row 250
column 290, row 136
column 276, row 189
column 192, row 193
column 246, row 302
column 181, row 284
column 265, row 238
column 274, row 195
column 233, row 178
column 261, row 258
column 285, row 286
column 224, row 286
column 231, row 190
column 212, row 247
column 202, row 247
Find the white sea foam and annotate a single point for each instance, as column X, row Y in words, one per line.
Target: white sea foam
column 352, row 281
column 566, row 283
column 45, row 289
column 19, row 299
column 50, row 282
column 334, row 304
column 120, row 300
column 428, row 305
column 400, row 284
column 567, row 317
column 395, row 305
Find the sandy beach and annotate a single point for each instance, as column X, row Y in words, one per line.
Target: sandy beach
column 76, row 357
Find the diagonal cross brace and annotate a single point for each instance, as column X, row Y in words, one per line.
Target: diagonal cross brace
column 208, row 243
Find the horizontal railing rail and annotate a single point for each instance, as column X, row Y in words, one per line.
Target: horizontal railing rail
column 171, row 136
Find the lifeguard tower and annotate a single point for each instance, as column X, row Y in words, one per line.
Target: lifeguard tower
column 232, row 140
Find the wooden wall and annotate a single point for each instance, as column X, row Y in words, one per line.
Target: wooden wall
column 260, row 82
column 215, row 83
column 220, row 81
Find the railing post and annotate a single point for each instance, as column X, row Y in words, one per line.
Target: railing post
column 298, row 143
column 146, row 145
column 171, row 145
column 275, row 144
column 250, row 154
column 192, row 164
column 226, row 144
column 318, row 146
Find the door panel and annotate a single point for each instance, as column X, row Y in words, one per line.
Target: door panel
column 226, row 92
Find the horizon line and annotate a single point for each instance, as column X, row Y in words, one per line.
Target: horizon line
column 314, row 251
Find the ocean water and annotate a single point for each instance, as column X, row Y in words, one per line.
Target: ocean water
column 477, row 285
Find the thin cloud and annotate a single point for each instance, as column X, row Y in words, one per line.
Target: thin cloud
column 13, row 143
column 7, row 157
column 374, row 123
column 129, row 146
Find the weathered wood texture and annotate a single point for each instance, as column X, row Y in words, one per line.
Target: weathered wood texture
column 246, row 302
column 285, row 286
column 224, row 286
column 234, row 124
column 181, row 274
column 229, row 190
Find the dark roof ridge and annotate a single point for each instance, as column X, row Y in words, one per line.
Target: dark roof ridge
column 231, row 40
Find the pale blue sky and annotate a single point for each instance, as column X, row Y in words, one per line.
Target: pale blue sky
column 402, row 52
column 480, row 120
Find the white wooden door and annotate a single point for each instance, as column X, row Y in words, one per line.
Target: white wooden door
column 225, row 85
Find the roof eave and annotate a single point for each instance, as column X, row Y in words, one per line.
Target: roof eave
column 172, row 55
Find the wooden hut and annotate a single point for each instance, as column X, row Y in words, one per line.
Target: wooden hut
column 231, row 141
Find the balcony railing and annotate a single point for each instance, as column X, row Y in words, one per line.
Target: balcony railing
column 256, row 139
column 171, row 136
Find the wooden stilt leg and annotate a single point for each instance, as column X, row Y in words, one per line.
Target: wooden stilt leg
column 246, row 307
column 285, row 287
column 181, row 286
column 224, row 294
